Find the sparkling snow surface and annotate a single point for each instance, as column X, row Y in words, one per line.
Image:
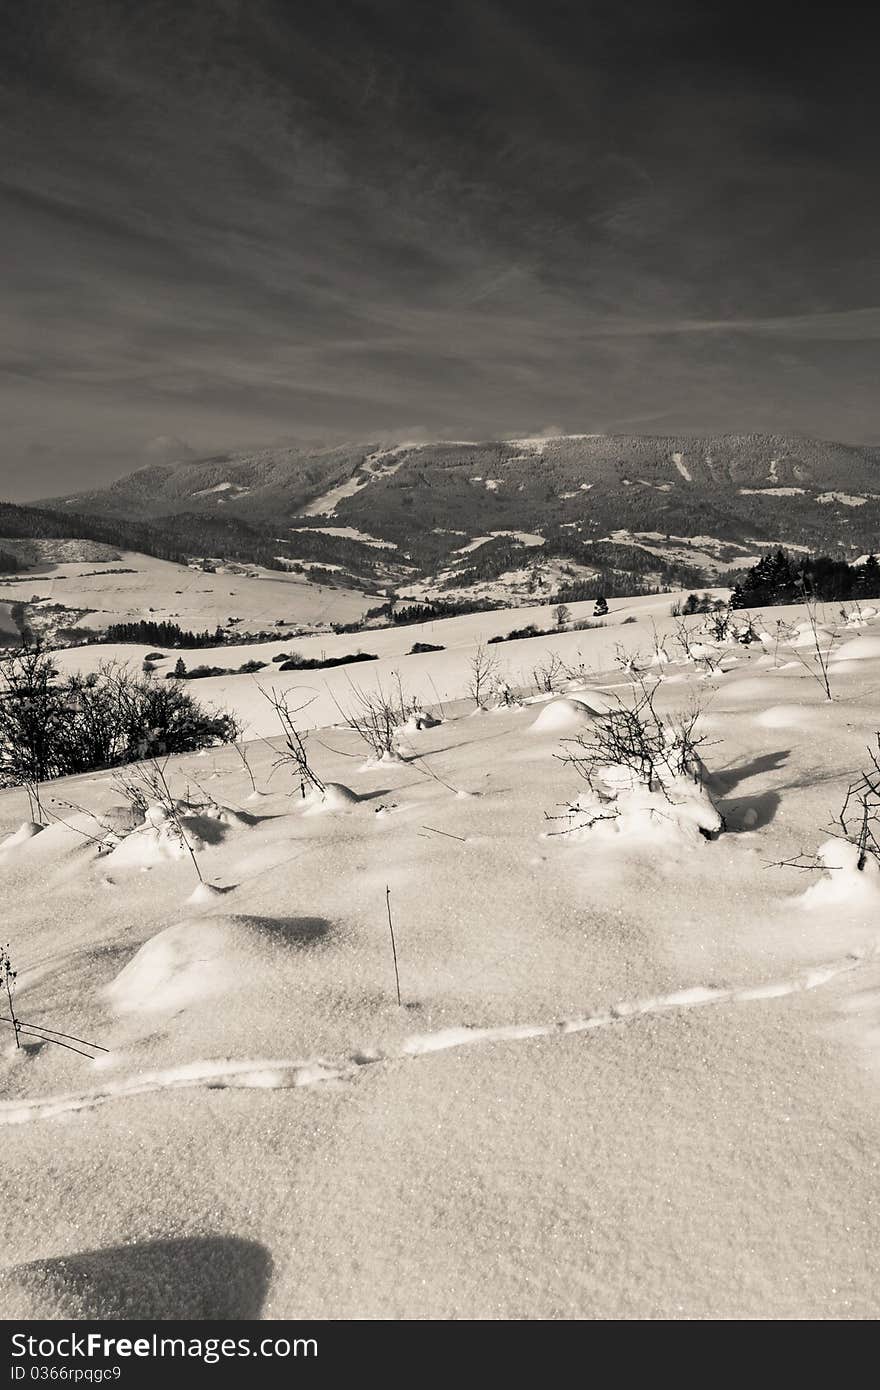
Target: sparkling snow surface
column 635, row 1074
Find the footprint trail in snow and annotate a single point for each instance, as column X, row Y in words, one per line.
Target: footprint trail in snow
column 286, row 1075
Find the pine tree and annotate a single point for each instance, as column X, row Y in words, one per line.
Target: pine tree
column 868, row 581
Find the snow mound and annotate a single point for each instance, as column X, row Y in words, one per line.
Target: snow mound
column 805, row 637
column 204, row 958
column 786, row 717
column 621, row 804
column 388, row 759
column 224, row 815
column 749, row 688
column 564, row 716
column 335, row 797
column 703, row 651
column 156, row 842
column 165, row 836
column 26, row 831
column 207, row 893
column 186, row 963
column 845, row 886
column 859, row 649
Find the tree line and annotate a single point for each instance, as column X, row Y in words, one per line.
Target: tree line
column 780, row 578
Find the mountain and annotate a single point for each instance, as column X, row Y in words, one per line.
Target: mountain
column 425, row 505
column 255, row 485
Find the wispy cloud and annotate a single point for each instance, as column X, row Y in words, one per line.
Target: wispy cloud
column 227, row 225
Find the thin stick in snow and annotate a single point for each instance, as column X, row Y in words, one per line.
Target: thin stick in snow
column 41, row 1037
column 9, row 976
column 29, row 1023
column 448, row 833
column 393, row 944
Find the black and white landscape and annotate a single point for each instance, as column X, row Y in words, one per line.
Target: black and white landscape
column 439, row 663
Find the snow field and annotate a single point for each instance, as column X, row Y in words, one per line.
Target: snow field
column 634, row 1075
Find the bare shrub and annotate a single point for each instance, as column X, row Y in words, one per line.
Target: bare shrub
column 503, row 693
column 39, row 1032
column 817, row 663
column 859, row 817
column 857, row 822
column 693, row 648
column 241, row 750
column 483, row 669
column 631, row 663
column 376, row 716
column 719, row 624
column 635, row 736
column 293, row 755
column 145, row 787
column 53, row 727
column 550, row 675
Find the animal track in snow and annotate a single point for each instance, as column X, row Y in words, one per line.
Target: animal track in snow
column 287, row 1075
column 216, row 1075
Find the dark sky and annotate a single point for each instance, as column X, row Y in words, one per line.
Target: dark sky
column 229, row 222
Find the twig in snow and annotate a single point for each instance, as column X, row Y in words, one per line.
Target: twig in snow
column 21, row 1028
column 8, row 976
column 393, row 944
column 447, row 833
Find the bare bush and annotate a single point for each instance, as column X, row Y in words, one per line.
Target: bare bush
column 859, row 817
column 550, row 675
column 719, row 624
column 39, row 1032
column 631, row 663
column 293, row 755
column 483, row 670
column 503, row 693
column 817, row 663
column 857, row 822
column 241, row 750
column 693, row 647
column 145, row 787
column 52, row 726
column 635, row 736
column 376, row 716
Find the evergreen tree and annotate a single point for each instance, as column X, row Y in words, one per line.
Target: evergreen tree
column 868, row 581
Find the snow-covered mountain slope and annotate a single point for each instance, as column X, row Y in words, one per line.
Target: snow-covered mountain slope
column 735, row 488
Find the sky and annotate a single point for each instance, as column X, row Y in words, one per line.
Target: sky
column 229, row 223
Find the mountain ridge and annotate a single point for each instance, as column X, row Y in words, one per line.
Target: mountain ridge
column 433, row 505
column 750, row 458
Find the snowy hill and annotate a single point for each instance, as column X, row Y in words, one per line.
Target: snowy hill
column 627, row 1051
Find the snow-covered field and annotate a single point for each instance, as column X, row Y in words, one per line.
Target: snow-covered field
column 135, row 586
column 635, row 1069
